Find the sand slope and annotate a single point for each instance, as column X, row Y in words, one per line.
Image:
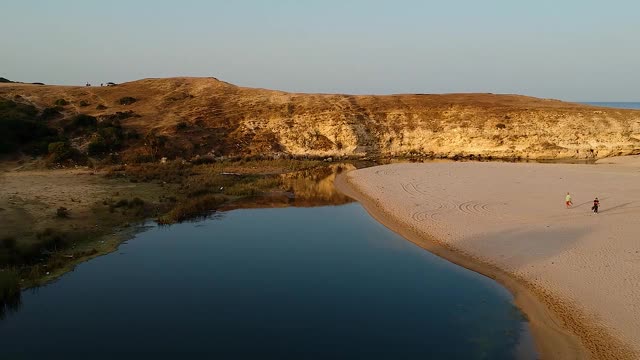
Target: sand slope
column 512, row 215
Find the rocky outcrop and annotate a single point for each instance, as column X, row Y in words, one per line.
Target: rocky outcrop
column 208, row 116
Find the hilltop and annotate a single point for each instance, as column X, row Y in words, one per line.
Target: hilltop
column 187, row 117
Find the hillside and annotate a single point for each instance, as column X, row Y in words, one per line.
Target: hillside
column 198, row 116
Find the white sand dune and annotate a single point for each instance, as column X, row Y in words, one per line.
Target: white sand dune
column 585, row 267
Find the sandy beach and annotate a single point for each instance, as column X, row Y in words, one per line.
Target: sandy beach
column 575, row 274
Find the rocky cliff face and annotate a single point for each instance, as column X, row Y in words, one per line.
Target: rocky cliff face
column 206, row 116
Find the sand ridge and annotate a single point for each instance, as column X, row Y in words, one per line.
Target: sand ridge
column 585, row 267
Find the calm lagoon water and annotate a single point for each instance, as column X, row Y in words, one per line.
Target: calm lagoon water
column 312, row 283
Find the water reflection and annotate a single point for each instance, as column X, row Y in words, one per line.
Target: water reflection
column 10, row 295
column 305, row 188
column 314, row 187
column 291, row 283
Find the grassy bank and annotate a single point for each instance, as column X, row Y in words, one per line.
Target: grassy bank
column 104, row 207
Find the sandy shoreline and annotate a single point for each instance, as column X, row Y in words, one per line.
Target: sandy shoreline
column 575, row 274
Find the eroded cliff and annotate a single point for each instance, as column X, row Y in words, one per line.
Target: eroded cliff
column 201, row 116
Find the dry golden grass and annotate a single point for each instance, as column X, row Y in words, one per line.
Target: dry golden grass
column 205, row 115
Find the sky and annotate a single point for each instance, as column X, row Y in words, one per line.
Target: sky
column 565, row 49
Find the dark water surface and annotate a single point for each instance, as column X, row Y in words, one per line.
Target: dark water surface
column 324, row 282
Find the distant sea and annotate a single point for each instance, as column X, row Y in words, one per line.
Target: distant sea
column 621, row 105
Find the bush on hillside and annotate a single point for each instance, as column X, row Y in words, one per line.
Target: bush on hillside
column 8, row 242
column 81, row 122
column 181, row 126
column 155, row 143
column 19, row 126
column 119, row 115
column 97, row 146
column 109, row 138
column 61, row 102
column 127, row 100
column 60, row 151
column 62, row 212
column 41, row 145
column 52, row 240
column 51, row 113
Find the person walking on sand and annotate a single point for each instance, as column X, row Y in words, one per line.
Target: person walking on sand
column 596, row 204
column 567, row 200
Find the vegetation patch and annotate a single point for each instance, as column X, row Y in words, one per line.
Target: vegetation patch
column 252, row 185
column 9, row 291
column 62, row 212
column 19, row 126
column 172, row 172
column 108, row 138
column 61, row 102
column 127, row 100
column 182, row 125
column 81, row 121
column 118, row 115
column 192, row 208
column 50, row 113
column 61, row 151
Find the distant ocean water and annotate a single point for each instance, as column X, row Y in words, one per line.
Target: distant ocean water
column 621, row 105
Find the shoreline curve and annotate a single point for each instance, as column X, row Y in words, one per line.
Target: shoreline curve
column 559, row 329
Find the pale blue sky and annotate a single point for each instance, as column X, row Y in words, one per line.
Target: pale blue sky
column 566, row 49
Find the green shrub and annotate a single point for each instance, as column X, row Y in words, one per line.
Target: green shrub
column 8, row 242
column 97, row 146
column 51, row 113
column 119, row 115
column 206, row 159
column 113, row 135
column 127, row 100
column 60, row 151
column 41, row 146
column 136, row 202
column 62, row 212
column 121, row 203
column 82, row 121
column 84, row 103
column 61, row 102
column 192, row 208
column 200, row 192
column 155, row 143
column 107, row 139
column 19, row 126
column 132, row 135
column 52, row 240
